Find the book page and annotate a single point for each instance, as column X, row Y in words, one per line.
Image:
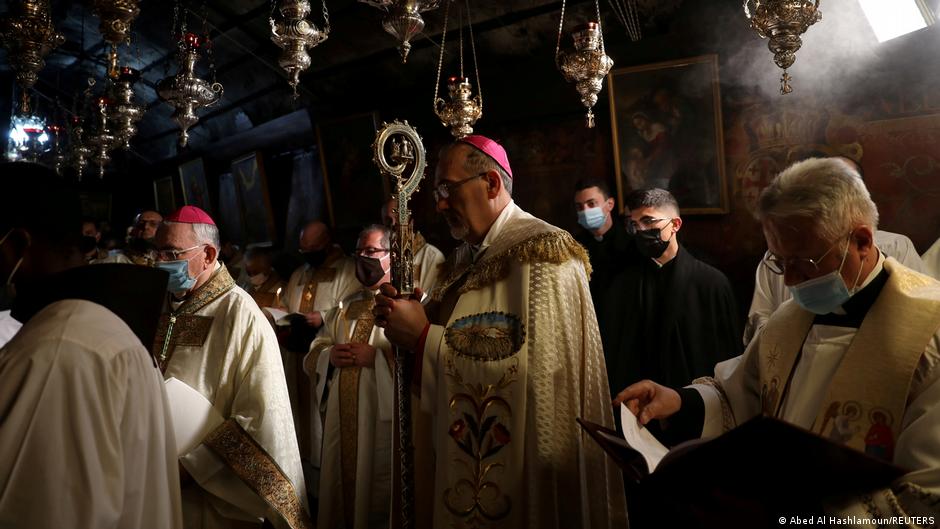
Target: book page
column 193, row 415
column 641, row 440
column 280, row 316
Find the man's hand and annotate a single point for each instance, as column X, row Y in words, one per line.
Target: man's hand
column 352, row 355
column 314, row 319
column 403, row 319
column 649, row 400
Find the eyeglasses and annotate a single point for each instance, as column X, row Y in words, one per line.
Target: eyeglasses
column 779, row 265
column 173, row 254
column 372, row 252
column 444, row 188
column 646, row 223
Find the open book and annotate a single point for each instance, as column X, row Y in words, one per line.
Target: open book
column 764, row 461
column 281, row 317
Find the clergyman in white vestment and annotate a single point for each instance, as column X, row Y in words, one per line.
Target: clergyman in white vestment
column 215, row 339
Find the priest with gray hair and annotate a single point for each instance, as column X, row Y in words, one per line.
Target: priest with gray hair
column 853, row 357
column 214, row 339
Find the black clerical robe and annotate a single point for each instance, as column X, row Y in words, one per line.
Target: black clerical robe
column 670, row 324
column 608, row 256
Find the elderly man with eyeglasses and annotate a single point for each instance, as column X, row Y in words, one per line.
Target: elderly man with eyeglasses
column 853, row 357
column 214, row 339
column 508, row 356
column 352, row 367
column 667, row 316
column 770, row 291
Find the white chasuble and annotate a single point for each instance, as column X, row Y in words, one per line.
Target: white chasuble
column 504, row 376
column 875, row 388
column 314, row 289
column 357, row 404
column 219, row 343
column 86, row 438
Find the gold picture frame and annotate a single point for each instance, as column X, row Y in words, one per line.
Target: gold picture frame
column 667, row 132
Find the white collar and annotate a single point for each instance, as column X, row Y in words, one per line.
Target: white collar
column 501, row 220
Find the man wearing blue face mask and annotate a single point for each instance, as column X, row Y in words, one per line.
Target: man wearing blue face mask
column 605, row 238
column 853, row 357
column 215, row 339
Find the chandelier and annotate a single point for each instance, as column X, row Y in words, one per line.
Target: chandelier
column 28, row 139
column 79, row 153
column 28, row 36
column 403, row 19
column 104, row 139
column 125, row 113
column 116, row 18
column 462, row 111
column 185, row 91
column 783, row 21
column 294, row 35
column 587, row 64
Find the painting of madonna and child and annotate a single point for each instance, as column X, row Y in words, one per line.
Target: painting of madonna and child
column 666, row 120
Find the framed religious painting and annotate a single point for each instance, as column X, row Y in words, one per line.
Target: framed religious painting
column 667, row 132
column 355, row 190
column 193, row 183
column 252, row 185
column 164, row 197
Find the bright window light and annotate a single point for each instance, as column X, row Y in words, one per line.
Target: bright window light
column 892, row 18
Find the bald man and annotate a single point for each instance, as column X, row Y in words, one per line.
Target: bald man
column 313, row 289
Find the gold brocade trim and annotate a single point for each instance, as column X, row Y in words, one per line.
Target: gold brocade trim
column 727, row 414
column 418, row 243
column 349, row 406
column 555, row 247
column 188, row 330
column 349, row 438
column 480, row 432
column 259, row 471
column 264, row 299
column 325, row 273
column 167, row 337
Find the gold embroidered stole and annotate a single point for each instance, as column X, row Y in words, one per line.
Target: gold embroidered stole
column 418, row 245
column 360, row 312
column 263, row 295
column 867, row 397
column 182, row 326
column 325, row 273
column 252, row 464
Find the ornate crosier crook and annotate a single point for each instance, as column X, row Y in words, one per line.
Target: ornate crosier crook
column 397, row 147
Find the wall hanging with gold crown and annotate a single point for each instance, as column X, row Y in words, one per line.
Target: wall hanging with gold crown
column 462, row 111
column 782, row 21
column 587, row 64
column 403, row 19
column 294, row 34
column 186, row 92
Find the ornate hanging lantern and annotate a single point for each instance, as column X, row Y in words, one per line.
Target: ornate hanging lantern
column 28, row 36
column 587, row 64
column 116, row 18
column 104, row 139
column 294, row 35
column 185, row 91
column 58, row 154
column 79, row 153
column 462, row 111
column 783, row 21
column 403, row 19
column 125, row 113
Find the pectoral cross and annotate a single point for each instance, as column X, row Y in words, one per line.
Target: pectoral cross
column 187, row 330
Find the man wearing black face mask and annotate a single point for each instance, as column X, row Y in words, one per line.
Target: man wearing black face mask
column 669, row 315
column 313, row 289
column 350, row 363
column 91, row 235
